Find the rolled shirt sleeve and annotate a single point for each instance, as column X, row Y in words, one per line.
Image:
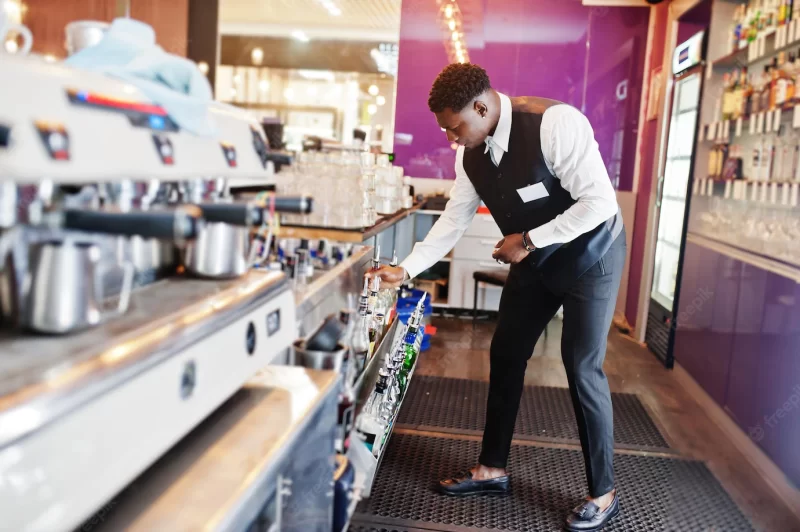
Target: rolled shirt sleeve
column 572, row 153
column 451, row 225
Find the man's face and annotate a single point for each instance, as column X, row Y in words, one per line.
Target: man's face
column 467, row 127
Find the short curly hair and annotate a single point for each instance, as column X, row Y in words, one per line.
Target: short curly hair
column 456, row 86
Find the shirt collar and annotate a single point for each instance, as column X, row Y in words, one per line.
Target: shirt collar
column 503, row 130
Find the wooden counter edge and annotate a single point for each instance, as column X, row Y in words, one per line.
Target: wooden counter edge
column 173, row 493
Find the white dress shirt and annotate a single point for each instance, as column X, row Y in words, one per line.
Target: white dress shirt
column 572, row 156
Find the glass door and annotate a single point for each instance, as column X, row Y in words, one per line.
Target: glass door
column 673, row 188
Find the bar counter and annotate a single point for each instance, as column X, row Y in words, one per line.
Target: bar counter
column 219, row 475
column 338, row 234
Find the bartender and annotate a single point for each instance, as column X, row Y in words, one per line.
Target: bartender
column 535, row 164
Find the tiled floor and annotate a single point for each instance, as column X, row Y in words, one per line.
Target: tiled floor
column 460, row 351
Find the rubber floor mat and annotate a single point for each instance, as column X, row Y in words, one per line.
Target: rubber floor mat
column 656, row 493
column 458, row 406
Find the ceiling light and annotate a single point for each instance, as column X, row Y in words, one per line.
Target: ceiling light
column 452, row 24
column 13, row 11
column 322, row 75
column 373, row 90
column 263, row 85
column 448, row 11
column 203, row 66
column 257, row 55
column 455, row 35
column 372, row 109
column 380, row 100
column 288, row 93
column 300, row 36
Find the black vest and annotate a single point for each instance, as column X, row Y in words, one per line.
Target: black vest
column 559, row 265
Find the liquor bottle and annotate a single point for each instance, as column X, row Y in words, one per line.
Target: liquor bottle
column 373, row 310
column 347, row 395
column 785, row 173
column 747, row 92
column 795, row 74
column 766, row 89
column 755, row 95
column 727, row 97
column 712, row 162
column 790, row 74
column 374, row 416
column 376, row 258
column 359, row 344
column 347, row 369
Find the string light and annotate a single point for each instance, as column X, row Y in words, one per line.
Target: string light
column 452, row 28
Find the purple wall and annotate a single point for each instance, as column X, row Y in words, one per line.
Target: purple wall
column 528, row 47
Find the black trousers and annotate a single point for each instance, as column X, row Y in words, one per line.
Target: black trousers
column 526, row 306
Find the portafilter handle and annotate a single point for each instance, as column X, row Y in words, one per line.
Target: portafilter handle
column 182, row 223
column 292, row 204
column 243, row 214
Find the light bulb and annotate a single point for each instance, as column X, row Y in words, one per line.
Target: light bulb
column 373, row 90
column 448, row 11
column 203, row 66
column 452, row 24
column 372, row 109
column 263, row 85
column 380, row 100
column 12, row 46
column 455, row 35
column 257, row 55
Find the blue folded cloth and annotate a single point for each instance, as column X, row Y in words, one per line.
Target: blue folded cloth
column 129, row 52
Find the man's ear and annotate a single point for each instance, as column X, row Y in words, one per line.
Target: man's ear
column 481, row 108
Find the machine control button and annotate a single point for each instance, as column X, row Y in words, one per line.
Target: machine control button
column 164, row 148
column 273, row 322
column 5, row 135
column 250, row 340
column 188, row 379
column 55, row 139
column 229, row 151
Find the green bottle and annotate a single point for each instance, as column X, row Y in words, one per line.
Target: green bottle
column 409, row 347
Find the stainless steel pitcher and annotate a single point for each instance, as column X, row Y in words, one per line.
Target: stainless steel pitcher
column 63, row 288
column 219, row 252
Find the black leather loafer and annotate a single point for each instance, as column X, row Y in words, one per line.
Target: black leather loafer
column 463, row 484
column 587, row 517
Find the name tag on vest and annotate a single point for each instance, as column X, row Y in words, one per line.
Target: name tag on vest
column 532, row 192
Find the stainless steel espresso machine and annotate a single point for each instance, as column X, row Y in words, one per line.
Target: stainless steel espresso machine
column 132, row 304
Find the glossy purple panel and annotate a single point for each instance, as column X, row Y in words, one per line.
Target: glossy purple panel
column 764, row 387
column 707, row 317
column 529, row 48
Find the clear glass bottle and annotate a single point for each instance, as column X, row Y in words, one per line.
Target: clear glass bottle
column 347, row 397
column 375, row 415
column 359, row 344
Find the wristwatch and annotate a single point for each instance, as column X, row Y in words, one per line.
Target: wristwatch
column 530, row 248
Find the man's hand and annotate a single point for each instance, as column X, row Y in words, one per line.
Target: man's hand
column 510, row 249
column 391, row 277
